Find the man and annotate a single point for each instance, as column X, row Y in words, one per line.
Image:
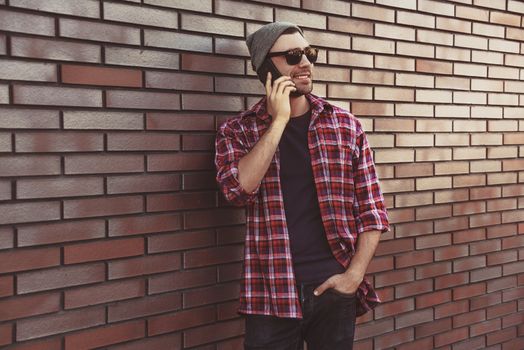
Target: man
column 304, row 171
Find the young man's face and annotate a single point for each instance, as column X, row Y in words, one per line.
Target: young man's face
column 301, row 73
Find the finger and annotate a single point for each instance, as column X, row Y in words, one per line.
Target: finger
column 283, row 85
column 322, row 288
column 280, row 80
column 268, row 83
column 288, row 90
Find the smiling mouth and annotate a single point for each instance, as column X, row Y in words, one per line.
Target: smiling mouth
column 302, row 76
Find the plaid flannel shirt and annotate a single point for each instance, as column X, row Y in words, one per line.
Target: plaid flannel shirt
column 348, row 192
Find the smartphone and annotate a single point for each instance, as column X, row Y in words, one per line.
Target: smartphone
column 268, row 66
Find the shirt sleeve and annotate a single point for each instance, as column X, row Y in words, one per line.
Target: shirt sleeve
column 229, row 150
column 369, row 208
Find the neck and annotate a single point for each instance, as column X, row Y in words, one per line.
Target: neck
column 299, row 105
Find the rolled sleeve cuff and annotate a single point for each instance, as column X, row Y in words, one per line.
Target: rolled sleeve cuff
column 233, row 190
column 373, row 220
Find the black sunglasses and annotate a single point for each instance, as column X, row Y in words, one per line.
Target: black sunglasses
column 294, row 56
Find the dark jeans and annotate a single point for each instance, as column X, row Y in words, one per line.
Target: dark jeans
column 328, row 324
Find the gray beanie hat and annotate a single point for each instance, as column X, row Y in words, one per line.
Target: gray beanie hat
column 260, row 42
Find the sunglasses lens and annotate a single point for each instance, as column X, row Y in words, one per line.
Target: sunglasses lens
column 295, row 56
column 311, row 54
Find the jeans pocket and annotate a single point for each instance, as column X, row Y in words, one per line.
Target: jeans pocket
column 343, row 295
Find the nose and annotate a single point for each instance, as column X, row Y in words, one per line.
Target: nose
column 304, row 61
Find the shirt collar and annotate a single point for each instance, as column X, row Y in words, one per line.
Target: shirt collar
column 317, row 104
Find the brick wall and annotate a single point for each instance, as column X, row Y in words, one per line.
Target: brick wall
column 112, row 232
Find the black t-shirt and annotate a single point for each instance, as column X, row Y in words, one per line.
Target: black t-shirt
column 313, row 260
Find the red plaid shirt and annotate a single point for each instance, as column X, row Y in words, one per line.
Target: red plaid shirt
column 348, row 192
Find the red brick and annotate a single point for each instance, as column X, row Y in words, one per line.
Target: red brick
column 413, row 288
column 142, row 100
column 233, row 272
column 6, row 286
column 432, row 241
column 212, row 218
column 141, row 58
column 59, row 323
column 435, row 269
column 142, row 183
column 6, row 331
column 151, row 305
column 168, row 341
column 29, row 235
column 103, row 250
column 145, row 265
column 57, row 96
column 469, row 318
column 102, row 336
column 438, row 326
column 485, row 247
column 103, row 120
column 450, row 337
column 143, row 224
column 451, row 280
column 58, row 142
column 59, row 277
column 18, row 307
column 501, row 336
column 168, row 202
column 485, row 300
column 468, row 291
column 501, row 257
column 102, row 206
column 432, row 299
column 469, row 263
column 180, row 320
column 182, row 279
column 29, row 212
column 180, row 241
column 497, row 311
column 395, row 338
column 502, row 283
column 414, row 318
column 28, row 259
column 46, row 344
column 55, row 49
column 207, row 334
column 395, row 246
column 86, row 164
column 15, row 21
column 98, row 31
column 451, row 252
column 211, row 295
column 179, row 122
column 63, row 187
column 413, row 258
column 143, row 141
column 394, row 277
column 212, row 256
column 199, row 181
column 90, row 75
column 212, row 64
column 103, row 293
column 198, row 143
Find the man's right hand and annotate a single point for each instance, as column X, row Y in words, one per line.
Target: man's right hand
column 278, row 105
